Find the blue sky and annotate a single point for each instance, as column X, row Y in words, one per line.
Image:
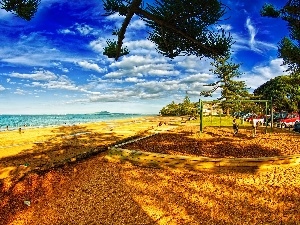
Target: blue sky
column 55, row 63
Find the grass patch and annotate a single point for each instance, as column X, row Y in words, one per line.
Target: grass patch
column 223, row 121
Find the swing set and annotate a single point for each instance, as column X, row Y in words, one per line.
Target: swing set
column 201, row 103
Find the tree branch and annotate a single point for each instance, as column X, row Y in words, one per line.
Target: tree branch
column 121, row 34
column 160, row 22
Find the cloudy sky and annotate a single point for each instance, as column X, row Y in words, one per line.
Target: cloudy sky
column 55, row 63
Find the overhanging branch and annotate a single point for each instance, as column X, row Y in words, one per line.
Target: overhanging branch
column 160, row 22
column 121, row 34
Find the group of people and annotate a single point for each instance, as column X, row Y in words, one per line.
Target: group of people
column 235, row 127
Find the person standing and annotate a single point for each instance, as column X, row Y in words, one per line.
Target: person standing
column 235, row 127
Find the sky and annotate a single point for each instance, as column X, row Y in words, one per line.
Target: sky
column 54, row 64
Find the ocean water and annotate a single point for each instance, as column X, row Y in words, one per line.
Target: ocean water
column 15, row 121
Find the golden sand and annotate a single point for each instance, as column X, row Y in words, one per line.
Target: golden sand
column 95, row 191
column 43, row 148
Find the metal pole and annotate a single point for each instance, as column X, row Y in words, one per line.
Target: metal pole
column 266, row 117
column 201, row 115
column 220, row 117
column 272, row 115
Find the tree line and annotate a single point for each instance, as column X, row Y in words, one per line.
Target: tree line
column 186, row 108
column 283, row 90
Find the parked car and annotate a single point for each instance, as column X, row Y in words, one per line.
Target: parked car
column 297, row 127
column 250, row 117
column 277, row 116
column 257, row 120
column 289, row 120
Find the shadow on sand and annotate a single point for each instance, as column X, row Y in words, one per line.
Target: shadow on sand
column 67, row 144
column 94, row 191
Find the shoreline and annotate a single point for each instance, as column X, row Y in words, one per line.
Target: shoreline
column 68, row 120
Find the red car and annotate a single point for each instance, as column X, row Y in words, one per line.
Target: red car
column 256, row 119
column 289, row 120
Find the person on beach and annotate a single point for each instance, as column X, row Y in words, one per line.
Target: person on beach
column 235, row 126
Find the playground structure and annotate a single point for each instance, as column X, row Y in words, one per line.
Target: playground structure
column 201, row 103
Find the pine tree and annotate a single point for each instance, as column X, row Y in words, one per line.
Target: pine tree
column 226, row 71
column 284, row 92
column 22, row 8
column 289, row 47
column 178, row 27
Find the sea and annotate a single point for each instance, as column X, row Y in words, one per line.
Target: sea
column 13, row 122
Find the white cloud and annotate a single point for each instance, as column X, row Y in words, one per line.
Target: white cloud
column 20, row 92
column 135, row 60
column 66, row 31
column 2, row 88
column 155, row 87
column 193, row 64
column 137, row 24
column 65, row 70
column 250, row 41
column 115, row 16
column 115, row 74
column 60, row 67
column 252, row 32
column 134, row 80
column 161, row 72
column 62, row 83
column 116, row 95
column 31, row 56
column 140, row 44
column 226, row 27
column 4, row 14
column 141, row 66
column 200, row 77
column 149, row 96
column 272, row 70
column 91, row 66
column 98, row 45
column 257, row 46
column 84, row 29
column 41, row 75
column 263, row 73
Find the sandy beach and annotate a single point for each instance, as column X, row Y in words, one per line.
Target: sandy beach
column 92, row 190
column 43, row 148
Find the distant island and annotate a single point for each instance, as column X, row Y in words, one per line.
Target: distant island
column 103, row 112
